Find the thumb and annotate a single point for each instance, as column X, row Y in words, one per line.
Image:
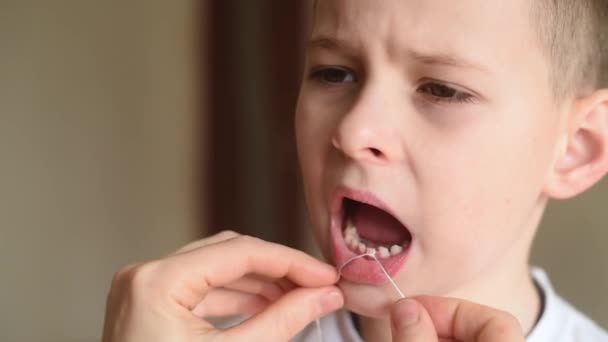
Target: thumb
column 289, row 315
column 410, row 322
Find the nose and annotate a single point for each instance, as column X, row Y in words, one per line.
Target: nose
column 369, row 131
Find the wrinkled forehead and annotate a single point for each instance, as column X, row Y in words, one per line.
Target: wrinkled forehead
column 486, row 28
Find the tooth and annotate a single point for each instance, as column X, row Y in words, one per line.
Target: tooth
column 383, row 252
column 396, row 249
column 362, row 247
column 370, row 250
column 346, row 233
column 350, row 229
column 350, row 232
column 348, row 237
column 356, row 242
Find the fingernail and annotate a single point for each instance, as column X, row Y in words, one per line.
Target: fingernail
column 331, row 301
column 405, row 313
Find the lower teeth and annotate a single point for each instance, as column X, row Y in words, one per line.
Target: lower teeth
column 356, row 244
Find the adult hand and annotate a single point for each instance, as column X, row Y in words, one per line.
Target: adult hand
column 432, row 319
column 227, row 274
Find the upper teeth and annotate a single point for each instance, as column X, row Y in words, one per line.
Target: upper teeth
column 354, row 242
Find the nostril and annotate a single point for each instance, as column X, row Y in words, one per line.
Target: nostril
column 376, row 152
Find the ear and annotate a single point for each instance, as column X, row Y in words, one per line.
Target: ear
column 583, row 160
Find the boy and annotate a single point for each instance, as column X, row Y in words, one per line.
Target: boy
column 460, row 119
column 432, row 132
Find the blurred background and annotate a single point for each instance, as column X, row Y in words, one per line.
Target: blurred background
column 130, row 128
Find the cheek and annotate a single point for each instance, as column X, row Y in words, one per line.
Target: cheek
column 478, row 194
column 309, row 137
column 493, row 168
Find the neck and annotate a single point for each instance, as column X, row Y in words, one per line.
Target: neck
column 508, row 286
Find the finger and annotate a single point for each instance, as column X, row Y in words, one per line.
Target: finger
column 224, row 302
column 466, row 321
column 219, row 237
column 288, row 316
column 188, row 276
column 411, row 323
column 285, row 284
column 268, row 289
column 247, row 295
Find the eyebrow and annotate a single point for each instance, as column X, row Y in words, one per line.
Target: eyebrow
column 444, row 59
column 326, row 43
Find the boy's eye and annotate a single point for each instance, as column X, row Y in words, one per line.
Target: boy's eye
column 442, row 92
column 334, row 75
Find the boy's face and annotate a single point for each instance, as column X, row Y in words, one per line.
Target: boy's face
column 440, row 110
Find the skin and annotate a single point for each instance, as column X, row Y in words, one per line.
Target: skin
column 470, row 179
column 169, row 299
column 430, row 319
column 469, row 174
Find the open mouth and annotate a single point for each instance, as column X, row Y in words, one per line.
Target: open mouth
column 369, row 229
column 362, row 224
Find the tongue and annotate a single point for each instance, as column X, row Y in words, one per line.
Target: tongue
column 378, row 226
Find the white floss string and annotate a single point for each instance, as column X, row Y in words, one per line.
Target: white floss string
column 397, row 289
column 319, row 330
column 371, row 254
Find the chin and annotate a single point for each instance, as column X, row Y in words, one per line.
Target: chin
column 368, row 300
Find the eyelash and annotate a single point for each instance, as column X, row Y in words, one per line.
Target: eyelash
column 456, row 96
column 320, row 74
column 430, row 88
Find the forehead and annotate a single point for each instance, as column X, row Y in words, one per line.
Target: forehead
column 487, row 31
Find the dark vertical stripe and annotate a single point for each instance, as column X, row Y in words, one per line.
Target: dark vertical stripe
column 255, row 58
column 285, row 61
column 224, row 160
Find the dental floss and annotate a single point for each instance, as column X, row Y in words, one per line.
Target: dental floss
column 397, row 289
column 319, row 330
column 353, row 259
column 371, row 254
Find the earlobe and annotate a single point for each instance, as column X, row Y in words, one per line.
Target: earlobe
column 584, row 159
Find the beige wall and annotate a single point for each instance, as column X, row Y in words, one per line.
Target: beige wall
column 572, row 247
column 97, row 147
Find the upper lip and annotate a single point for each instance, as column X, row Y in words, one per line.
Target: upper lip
column 342, row 191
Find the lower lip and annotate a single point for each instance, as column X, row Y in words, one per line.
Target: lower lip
column 363, row 270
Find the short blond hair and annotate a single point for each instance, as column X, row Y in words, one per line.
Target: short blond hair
column 573, row 34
